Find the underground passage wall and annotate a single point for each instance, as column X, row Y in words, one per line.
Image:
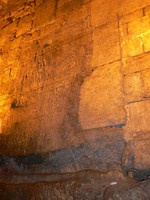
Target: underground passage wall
column 74, row 93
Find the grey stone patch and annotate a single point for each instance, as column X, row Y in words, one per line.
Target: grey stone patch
column 103, row 153
column 129, row 159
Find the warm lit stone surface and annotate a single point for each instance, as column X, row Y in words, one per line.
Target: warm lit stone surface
column 47, row 59
column 44, row 13
column 135, row 64
column 103, row 12
column 132, row 47
column 133, row 87
column 138, row 116
column 67, row 66
column 100, row 106
column 106, row 47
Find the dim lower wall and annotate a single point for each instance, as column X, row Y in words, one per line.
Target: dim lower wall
column 70, row 68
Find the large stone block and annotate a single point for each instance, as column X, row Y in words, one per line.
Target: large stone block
column 136, row 158
column 139, row 26
column 132, row 47
column 138, row 118
column 106, row 47
column 101, row 98
column 127, row 6
column 106, row 11
column 137, row 63
column 142, row 154
column 103, row 12
column 125, row 19
column 72, row 13
column 133, row 87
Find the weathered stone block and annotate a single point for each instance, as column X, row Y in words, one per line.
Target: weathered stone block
column 133, row 87
column 101, row 98
column 24, row 25
column 103, row 12
column 138, row 115
column 106, row 47
column 139, row 26
column 136, row 158
column 131, row 16
column 132, row 47
column 142, row 154
column 127, row 6
column 107, row 11
column 74, row 13
column 135, row 64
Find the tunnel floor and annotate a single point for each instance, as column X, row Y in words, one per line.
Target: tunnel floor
column 83, row 185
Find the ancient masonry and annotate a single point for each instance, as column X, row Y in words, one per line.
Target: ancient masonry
column 74, row 99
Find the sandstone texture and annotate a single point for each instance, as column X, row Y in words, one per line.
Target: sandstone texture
column 74, row 96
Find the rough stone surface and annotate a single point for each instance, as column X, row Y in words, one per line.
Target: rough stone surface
column 98, row 106
column 138, row 117
column 102, row 150
column 133, row 87
column 88, row 185
column 135, row 64
column 67, row 66
column 82, row 185
column 106, row 47
column 135, row 159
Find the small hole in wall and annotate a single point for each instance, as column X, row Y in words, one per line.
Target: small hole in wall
column 14, row 104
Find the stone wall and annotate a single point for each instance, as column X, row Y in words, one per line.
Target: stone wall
column 74, row 81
